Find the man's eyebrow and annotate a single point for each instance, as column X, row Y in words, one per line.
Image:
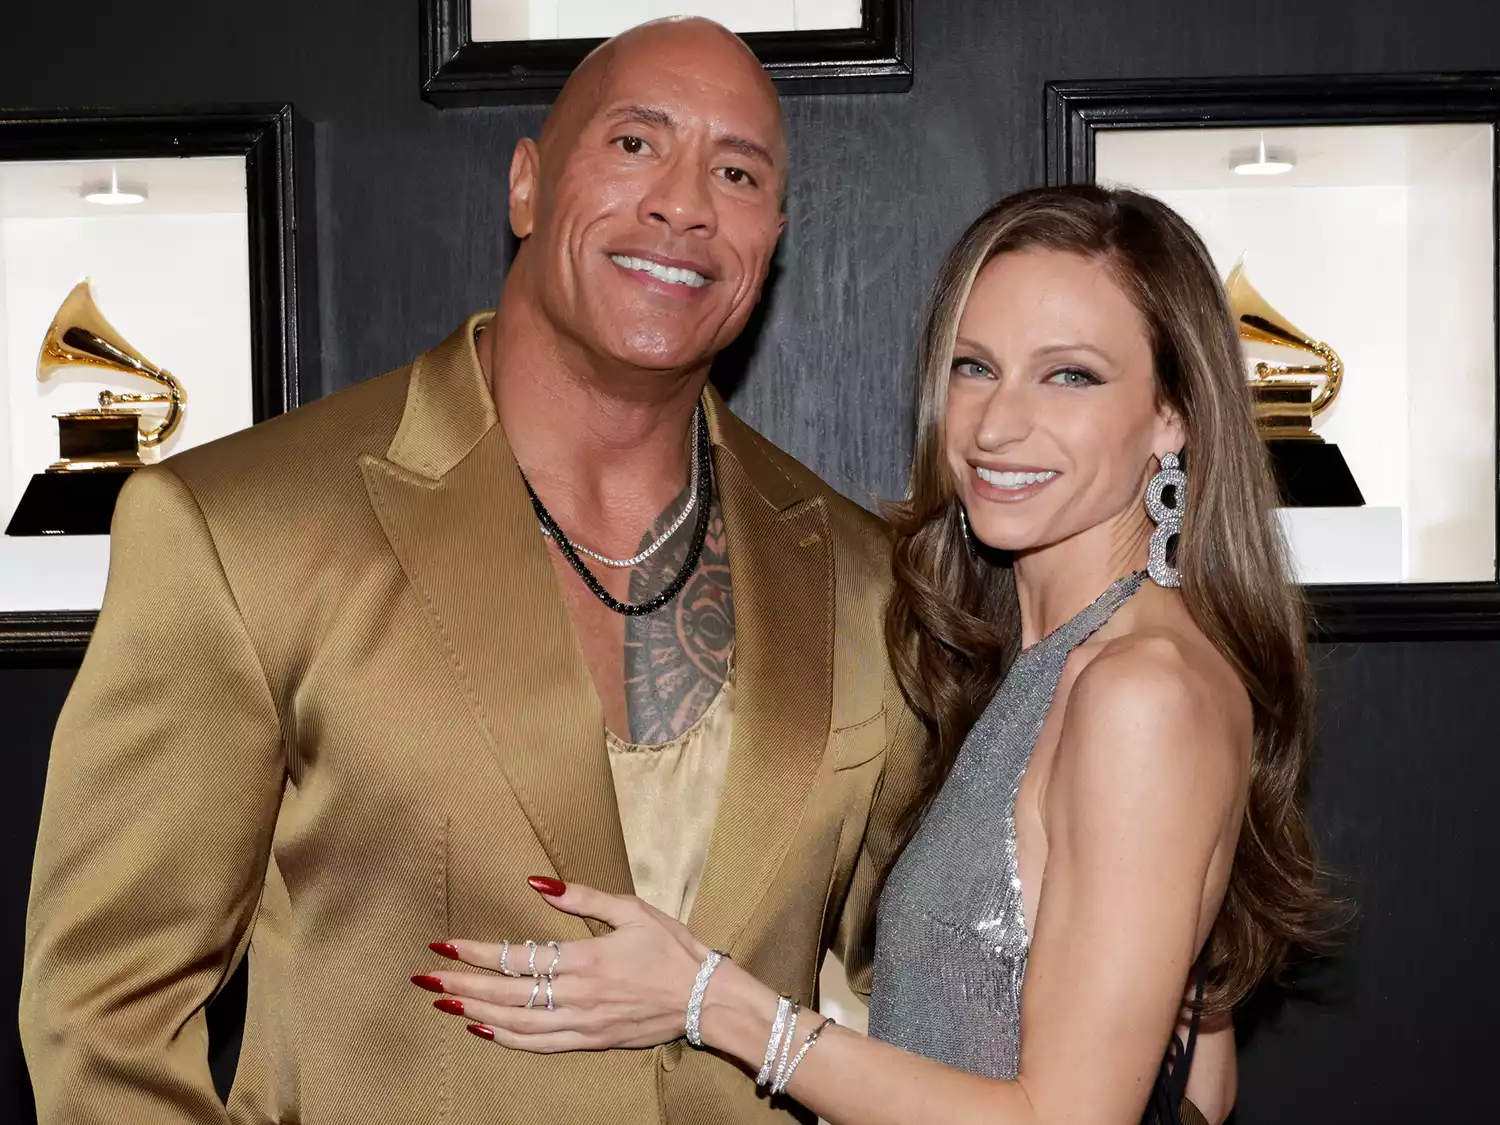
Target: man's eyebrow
column 747, row 147
column 644, row 115
column 661, row 119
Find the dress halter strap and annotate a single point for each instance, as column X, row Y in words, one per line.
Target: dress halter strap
column 1092, row 618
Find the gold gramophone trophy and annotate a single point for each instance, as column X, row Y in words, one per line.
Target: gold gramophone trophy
column 100, row 447
column 1311, row 472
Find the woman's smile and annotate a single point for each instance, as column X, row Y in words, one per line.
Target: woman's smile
column 1009, row 485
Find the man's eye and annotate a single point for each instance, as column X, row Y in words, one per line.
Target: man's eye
column 738, row 177
column 632, row 146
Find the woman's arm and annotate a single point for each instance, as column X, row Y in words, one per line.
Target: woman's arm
column 1214, row 1081
column 1146, row 780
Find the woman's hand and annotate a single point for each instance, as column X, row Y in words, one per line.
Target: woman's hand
column 627, row 989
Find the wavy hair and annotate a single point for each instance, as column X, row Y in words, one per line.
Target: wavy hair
column 953, row 625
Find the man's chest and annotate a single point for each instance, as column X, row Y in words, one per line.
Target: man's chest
column 655, row 674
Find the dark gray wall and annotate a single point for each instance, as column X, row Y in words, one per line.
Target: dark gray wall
column 409, row 238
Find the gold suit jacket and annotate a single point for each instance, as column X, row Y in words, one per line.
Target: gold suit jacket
column 334, row 709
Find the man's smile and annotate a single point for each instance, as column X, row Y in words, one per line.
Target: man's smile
column 662, row 270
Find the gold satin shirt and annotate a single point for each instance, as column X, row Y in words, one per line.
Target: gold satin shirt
column 668, row 795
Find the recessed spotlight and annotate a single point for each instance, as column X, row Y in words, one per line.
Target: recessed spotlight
column 1258, row 160
column 114, row 193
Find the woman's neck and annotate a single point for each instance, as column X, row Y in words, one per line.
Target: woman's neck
column 1055, row 583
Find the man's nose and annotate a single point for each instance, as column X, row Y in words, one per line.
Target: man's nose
column 682, row 199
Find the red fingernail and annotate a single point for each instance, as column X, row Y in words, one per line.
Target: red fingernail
column 431, row 984
column 451, row 1006
column 444, row 949
column 550, row 887
column 483, row 1032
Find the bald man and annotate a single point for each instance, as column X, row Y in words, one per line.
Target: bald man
column 536, row 605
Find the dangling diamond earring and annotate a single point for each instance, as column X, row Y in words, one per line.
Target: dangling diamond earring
column 1168, row 520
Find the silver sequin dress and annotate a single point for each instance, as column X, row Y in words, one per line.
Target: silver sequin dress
column 951, row 939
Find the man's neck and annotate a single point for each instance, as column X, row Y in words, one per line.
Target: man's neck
column 607, row 447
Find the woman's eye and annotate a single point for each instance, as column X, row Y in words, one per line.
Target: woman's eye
column 971, row 369
column 737, row 176
column 1073, row 377
column 632, row 146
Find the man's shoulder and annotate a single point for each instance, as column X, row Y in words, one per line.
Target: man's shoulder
column 306, row 448
column 854, row 527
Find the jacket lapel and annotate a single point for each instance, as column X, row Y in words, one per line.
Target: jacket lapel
column 781, row 565
column 452, row 503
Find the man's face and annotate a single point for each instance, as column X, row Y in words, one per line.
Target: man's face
column 658, row 202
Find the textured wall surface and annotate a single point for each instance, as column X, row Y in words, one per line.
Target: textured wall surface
column 409, row 236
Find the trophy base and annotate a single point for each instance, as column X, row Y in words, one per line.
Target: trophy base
column 1313, row 474
column 76, row 503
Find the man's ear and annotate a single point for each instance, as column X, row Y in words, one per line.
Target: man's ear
column 525, row 177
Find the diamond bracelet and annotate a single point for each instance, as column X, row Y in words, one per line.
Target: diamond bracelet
column 695, row 998
column 785, row 1077
column 773, row 1045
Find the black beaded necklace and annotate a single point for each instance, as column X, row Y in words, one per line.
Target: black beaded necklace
column 695, row 550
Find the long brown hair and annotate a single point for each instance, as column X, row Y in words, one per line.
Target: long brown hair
column 953, row 625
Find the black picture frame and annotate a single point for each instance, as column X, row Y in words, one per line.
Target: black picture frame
column 456, row 71
column 1076, row 111
column 263, row 135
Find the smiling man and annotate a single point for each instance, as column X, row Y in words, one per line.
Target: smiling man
column 536, row 605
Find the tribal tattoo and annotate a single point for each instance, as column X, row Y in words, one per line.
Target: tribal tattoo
column 677, row 658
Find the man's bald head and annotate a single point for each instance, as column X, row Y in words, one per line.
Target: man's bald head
column 651, row 207
column 688, row 42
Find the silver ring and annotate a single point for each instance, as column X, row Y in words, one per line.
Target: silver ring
column 535, row 989
column 552, row 968
column 550, row 1006
column 505, row 969
column 531, row 958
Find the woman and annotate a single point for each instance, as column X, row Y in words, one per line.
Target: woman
column 1120, row 714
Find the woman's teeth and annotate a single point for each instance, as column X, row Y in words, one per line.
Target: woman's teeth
column 1013, row 481
column 670, row 274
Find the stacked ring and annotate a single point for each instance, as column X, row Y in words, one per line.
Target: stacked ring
column 505, row 969
column 540, row 978
column 556, row 957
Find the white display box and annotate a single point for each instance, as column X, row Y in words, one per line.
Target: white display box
column 1380, row 241
column 171, row 274
column 1332, row 546
column 513, row 20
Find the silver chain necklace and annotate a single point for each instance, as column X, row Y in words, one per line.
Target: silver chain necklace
column 661, row 540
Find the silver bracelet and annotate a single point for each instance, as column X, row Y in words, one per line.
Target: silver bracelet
column 695, row 999
column 781, row 1083
column 786, row 1048
column 778, row 1025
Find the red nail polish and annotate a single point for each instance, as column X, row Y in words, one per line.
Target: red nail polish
column 550, row 887
column 451, row 1006
column 444, row 949
column 431, row 984
column 483, row 1032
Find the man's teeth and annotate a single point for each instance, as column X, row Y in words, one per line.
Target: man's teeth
column 1013, row 480
column 670, row 274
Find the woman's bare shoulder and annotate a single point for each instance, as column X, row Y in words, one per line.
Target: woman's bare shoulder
column 1158, row 704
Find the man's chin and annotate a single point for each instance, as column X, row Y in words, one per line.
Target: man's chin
column 653, row 352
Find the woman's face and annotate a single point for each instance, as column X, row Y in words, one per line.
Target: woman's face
column 1052, row 416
